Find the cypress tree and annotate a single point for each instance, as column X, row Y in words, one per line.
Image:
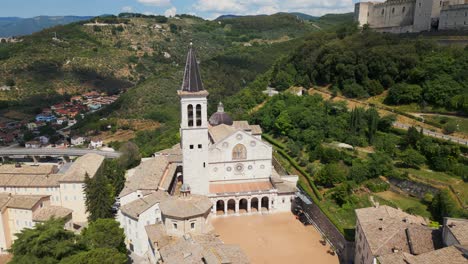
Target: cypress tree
column 98, row 197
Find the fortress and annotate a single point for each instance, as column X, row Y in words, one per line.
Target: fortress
column 406, row 16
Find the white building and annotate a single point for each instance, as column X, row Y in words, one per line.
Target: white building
column 221, row 167
column 95, row 143
column 58, row 192
column 77, row 140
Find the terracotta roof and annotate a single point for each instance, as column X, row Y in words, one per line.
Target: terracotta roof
column 199, row 248
column 241, row 187
column 136, row 208
column 256, row 129
column 157, row 235
column 385, row 228
column 48, row 212
column 173, row 154
column 192, row 79
column 452, row 255
column 147, row 175
column 27, row 169
column 459, row 229
column 220, row 132
column 4, row 198
column 44, row 180
column 186, row 207
column 25, row 201
column 284, row 186
column 242, row 125
column 89, row 163
column 219, row 118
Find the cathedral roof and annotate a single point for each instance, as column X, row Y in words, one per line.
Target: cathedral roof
column 192, row 78
column 220, row 117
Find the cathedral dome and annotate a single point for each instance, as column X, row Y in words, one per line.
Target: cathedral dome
column 220, row 117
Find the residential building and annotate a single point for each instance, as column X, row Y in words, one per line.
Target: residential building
column 62, row 188
column 387, row 235
column 78, row 140
column 95, row 142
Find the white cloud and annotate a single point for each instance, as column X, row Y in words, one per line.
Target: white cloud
column 171, row 12
column 155, row 2
column 127, row 9
column 252, row 7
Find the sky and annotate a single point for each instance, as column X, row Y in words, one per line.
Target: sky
column 208, row 9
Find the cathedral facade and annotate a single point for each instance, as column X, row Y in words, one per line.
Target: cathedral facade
column 227, row 160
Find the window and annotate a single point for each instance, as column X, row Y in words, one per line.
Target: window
column 199, row 115
column 199, row 146
column 175, row 225
column 192, row 225
column 383, row 11
column 204, row 164
column 404, row 9
column 190, row 115
column 191, row 146
column 393, row 10
column 239, row 152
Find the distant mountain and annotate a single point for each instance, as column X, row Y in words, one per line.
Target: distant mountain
column 227, row 17
column 15, row 26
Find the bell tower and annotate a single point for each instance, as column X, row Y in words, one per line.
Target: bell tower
column 194, row 127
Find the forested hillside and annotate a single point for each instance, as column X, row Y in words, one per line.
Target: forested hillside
column 366, row 64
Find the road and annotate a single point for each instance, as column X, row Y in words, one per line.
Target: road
column 434, row 134
column 56, row 152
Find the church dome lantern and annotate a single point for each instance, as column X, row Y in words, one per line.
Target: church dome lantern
column 220, row 117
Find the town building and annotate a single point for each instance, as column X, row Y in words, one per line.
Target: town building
column 221, row 167
column 387, row 235
column 95, row 143
column 77, row 140
column 46, row 117
column 59, row 190
column 24, row 211
column 406, row 16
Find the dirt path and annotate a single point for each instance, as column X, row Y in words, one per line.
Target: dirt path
column 274, row 239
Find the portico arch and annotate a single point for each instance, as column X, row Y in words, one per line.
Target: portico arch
column 254, row 205
column 243, row 206
column 231, row 206
column 220, row 207
column 265, row 204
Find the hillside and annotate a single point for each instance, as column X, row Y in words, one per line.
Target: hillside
column 16, row 26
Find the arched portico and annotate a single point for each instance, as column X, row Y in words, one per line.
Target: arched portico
column 254, row 205
column 220, row 207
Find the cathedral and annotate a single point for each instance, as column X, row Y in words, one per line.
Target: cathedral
column 223, row 159
column 220, row 168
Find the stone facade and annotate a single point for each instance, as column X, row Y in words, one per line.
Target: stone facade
column 405, row 16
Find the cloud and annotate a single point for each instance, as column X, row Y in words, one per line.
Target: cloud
column 155, row 2
column 127, row 9
column 171, row 12
column 253, row 7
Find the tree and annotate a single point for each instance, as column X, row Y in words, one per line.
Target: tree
column 412, row 137
column 359, row 172
column 104, row 233
column 450, row 127
column 372, row 123
column 341, row 193
column 443, row 205
column 99, row 198
column 412, row 158
column 97, row 256
column 130, row 155
column 380, row 164
column 47, row 242
column 441, row 90
column 332, row 174
column 404, row 93
column 115, row 174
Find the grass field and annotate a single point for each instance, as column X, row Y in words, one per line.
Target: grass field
column 405, row 202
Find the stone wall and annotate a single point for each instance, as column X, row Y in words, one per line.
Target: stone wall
column 454, row 17
column 413, row 188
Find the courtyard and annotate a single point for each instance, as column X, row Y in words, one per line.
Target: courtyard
column 274, row 238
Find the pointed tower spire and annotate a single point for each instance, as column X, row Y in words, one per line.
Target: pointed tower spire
column 192, row 78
